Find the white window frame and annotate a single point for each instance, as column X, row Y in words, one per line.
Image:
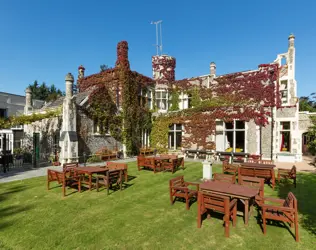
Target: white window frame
column 284, row 91
column 160, row 98
column 174, row 130
column 280, row 136
column 234, row 130
column 96, row 130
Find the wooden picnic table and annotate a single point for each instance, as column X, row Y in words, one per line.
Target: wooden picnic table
column 258, row 170
column 90, row 171
column 243, row 193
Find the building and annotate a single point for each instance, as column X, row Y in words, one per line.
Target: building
column 11, row 105
column 271, row 127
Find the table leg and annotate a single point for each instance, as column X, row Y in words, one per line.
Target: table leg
column 246, row 212
column 90, row 181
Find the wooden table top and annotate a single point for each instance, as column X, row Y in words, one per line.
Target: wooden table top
column 257, row 165
column 91, row 170
column 226, row 188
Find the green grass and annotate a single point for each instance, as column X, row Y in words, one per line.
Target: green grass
column 139, row 217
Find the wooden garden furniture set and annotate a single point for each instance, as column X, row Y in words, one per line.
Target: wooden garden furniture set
column 161, row 163
column 221, row 195
column 73, row 175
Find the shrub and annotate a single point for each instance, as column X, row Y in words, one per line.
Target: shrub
column 94, row 158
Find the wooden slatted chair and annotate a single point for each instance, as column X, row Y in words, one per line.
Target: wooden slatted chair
column 221, row 204
column 118, row 166
column 112, row 177
column 285, row 211
column 178, row 188
column 67, row 178
column 173, row 165
column 224, row 178
column 253, row 182
column 287, row 174
column 229, row 168
column 147, row 162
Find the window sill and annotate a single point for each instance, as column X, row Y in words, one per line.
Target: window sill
column 98, row 134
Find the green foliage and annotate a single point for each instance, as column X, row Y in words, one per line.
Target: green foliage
column 307, row 103
column 132, row 112
column 93, row 159
column 103, row 111
column 174, row 100
column 159, row 133
column 44, row 92
column 104, row 67
column 196, row 99
column 27, row 119
column 312, row 133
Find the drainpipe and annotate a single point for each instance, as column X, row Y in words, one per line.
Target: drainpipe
column 272, row 128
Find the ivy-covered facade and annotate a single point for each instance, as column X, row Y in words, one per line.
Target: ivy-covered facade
column 254, row 112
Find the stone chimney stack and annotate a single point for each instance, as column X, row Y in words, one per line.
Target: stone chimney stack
column 69, row 85
column 28, row 100
column 213, row 68
column 291, row 40
column 81, row 70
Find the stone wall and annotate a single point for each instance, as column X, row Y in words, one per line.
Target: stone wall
column 266, row 141
column 251, row 138
column 286, row 112
column 304, row 121
column 90, row 142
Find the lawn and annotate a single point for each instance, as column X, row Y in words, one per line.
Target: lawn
column 139, row 217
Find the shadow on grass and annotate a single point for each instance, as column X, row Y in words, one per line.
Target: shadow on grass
column 8, row 211
column 305, row 193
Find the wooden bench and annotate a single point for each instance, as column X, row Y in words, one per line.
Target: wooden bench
column 229, row 168
column 118, row 166
column 225, row 178
column 106, row 154
column 285, row 211
column 287, row 174
column 266, row 173
column 173, row 164
column 147, row 151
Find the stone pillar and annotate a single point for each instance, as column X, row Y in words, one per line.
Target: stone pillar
column 28, row 100
column 213, row 68
column 207, row 170
column 68, row 134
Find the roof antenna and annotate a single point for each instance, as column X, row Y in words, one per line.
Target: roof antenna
column 158, row 47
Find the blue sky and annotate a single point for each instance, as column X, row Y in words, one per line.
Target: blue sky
column 44, row 40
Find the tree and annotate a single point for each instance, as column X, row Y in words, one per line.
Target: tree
column 44, row 92
column 308, row 103
column 104, row 67
column 312, row 133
